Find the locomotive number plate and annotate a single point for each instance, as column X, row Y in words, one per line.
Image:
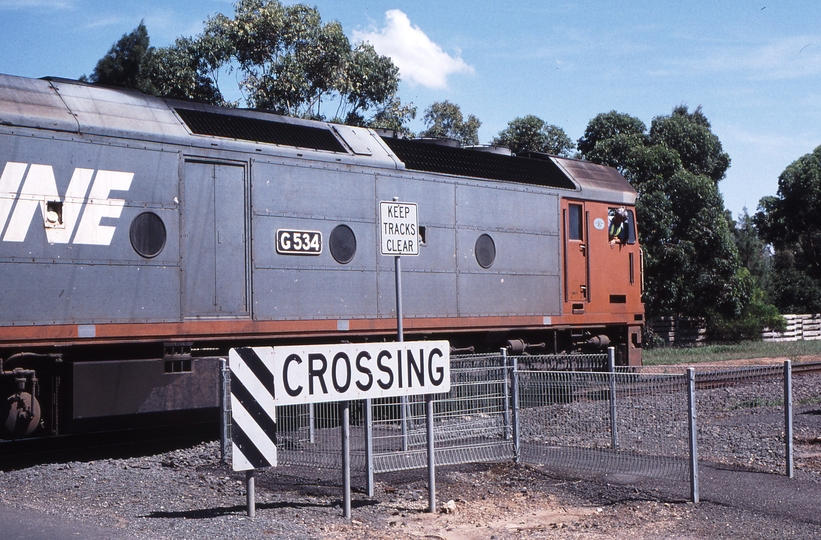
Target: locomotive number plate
column 291, row 242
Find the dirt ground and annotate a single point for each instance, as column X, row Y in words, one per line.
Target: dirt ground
column 508, row 501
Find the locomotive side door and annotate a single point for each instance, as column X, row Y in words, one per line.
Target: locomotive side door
column 214, row 232
column 576, row 255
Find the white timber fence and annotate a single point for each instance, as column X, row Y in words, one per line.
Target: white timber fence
column 693, row 332
column 806, row 327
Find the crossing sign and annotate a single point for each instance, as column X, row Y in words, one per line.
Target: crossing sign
column 253, row 415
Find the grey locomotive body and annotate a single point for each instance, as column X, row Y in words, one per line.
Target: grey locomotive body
column 141, row 238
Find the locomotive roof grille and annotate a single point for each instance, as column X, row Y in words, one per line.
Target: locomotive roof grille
column 457, row 161
column 255, row 129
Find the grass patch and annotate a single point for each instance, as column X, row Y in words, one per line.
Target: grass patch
column 757, row 402
column 717, row 353
column 810, row 401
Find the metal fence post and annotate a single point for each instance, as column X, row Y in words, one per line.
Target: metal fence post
column 369, row 446
column 788, row 433
column 345, row 423
column 225, row 418
column 611, row 368
column 516, row 449
column 691, row 405
column 506, row 390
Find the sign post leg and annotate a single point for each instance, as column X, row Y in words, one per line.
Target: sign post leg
column 404, row 414
column 431, row 460
column 249, row 493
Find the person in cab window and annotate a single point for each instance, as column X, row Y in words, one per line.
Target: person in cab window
column 617, row 233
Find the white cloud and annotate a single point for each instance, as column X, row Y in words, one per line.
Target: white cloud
column 420, row 60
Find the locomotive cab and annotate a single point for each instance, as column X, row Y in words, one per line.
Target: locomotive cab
column 602, row 259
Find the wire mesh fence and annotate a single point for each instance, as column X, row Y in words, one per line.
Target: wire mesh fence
column 738, row 407
column 472, row 422
column 633, row 420
column 741, row 414
column 628, row 423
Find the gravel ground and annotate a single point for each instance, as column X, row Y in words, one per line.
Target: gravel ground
column 187, row 494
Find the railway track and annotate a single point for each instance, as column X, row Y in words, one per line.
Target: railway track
column 803, row 368
column 730, row 376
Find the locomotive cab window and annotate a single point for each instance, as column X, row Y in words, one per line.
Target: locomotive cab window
column 574, row 225
column 621, row 226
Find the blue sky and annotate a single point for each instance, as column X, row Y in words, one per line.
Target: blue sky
column 753, row 66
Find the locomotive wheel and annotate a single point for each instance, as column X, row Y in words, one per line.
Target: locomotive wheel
column 21, row 412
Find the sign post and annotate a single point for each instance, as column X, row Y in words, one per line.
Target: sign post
column 399, row 235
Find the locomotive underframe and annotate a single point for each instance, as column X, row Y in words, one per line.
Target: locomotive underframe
column 115, row 386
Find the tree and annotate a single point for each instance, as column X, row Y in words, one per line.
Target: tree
column 292, row 63
column 610, row 137
column 125, row 65
column 789, row 221
column 186, row 71
column 692, row 266
column 532, row 134
column 393, row 116
column 444, row 120
column 287, row 60
column 752, row 250
column 689, row 135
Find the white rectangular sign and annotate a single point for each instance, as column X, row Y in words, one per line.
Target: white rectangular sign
column 349, row 371
column 398, row 228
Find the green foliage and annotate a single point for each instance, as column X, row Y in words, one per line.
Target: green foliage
column 611, row 138
column 756, row 315
column 392, row 115
column 444, row 120
column 792, row 290
column 753, row 252
column 532, row 134
column 182, row 72
column 692, row 266
column 286, row 60
column 689, row 135
column 126, row 64
column 291, row 62
column 789, row 221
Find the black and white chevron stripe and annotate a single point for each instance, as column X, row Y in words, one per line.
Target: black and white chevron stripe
column 253, row 416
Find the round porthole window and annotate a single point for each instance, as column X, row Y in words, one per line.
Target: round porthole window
column 342, row 244
column 485, row 251
column 147, row 235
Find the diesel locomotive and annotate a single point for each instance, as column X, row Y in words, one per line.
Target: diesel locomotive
column 141, row 238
